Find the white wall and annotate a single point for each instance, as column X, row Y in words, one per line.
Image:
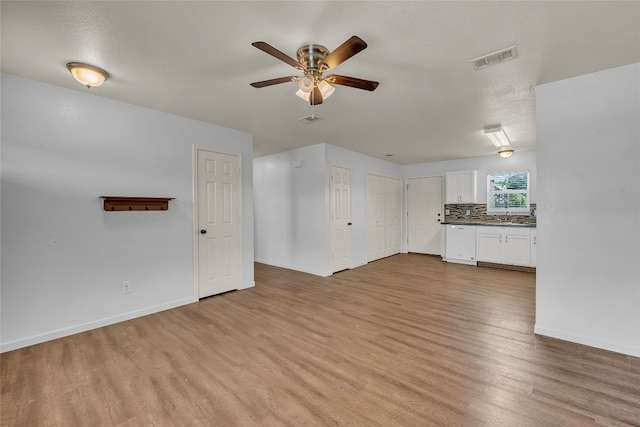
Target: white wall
column 63, row 257
column 291, row 216
column 519, row 161
column 292, row 206
column 588, row 274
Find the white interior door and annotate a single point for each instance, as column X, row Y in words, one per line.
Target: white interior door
column 424, row 213
column 340, row 218
column 384, row 221
column 375, row 216
column 219, row 222
column 392, row 212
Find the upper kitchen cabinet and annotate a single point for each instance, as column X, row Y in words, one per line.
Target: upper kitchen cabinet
column 461, row 187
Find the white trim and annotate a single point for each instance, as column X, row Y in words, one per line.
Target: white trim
column 580, row 339
column 83, row 327
column 194, row 239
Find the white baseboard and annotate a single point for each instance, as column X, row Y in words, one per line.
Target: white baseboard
column 71, row 330
column 460, row 261
column 248, row 285
column 591, row 342
column 293, row 267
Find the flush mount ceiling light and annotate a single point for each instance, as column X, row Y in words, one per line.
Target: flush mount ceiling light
column 88, row 75
column 497, row 136
column 505, row 152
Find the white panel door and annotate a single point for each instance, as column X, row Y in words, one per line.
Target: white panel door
column 340, row 218
column 392, row 213
column 219, row 248
column 424, row 214
column 375, row 217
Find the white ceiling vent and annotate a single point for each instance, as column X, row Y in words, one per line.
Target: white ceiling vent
column 309, row 119
column 495, row 58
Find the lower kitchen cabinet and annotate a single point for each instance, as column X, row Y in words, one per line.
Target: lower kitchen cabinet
column 534, row 242
column 504, row 245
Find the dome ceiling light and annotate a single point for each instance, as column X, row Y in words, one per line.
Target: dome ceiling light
column 88, row 75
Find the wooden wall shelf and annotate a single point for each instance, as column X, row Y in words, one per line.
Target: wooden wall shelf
column 125, row 203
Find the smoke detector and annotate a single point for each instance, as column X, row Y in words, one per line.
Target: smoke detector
column 309, row 119
column 495, row 58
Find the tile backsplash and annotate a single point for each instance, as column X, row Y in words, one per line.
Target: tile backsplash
column 478, row 213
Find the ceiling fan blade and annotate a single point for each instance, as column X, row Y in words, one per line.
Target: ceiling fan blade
column 352, row 82
column 267, row 48
column 274, row 81
column 315, row 97
column 343, row 52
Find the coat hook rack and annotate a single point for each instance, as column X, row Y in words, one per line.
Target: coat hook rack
column 127, row 203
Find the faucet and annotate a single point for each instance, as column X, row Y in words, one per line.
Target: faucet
column 508, row 219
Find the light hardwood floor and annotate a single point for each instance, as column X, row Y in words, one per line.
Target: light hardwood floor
column 403, row 341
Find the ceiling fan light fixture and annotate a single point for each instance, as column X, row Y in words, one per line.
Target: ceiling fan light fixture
column 325, row 88
column 313, row 60
column 305, row 84
column 88, row 75
column 303, row 95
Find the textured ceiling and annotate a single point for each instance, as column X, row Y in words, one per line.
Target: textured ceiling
column 195, row 59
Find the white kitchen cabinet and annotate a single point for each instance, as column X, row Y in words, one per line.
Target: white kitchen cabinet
column 534, row 242
column 461, row 187
column 504, row 245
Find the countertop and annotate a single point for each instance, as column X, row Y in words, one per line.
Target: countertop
column 489, row 224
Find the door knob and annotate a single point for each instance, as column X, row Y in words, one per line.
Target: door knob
column 203, row 231
column 348, row 223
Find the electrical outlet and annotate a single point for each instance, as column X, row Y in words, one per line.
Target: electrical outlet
column 126, row 287
column 447, row 212
column 468, row 212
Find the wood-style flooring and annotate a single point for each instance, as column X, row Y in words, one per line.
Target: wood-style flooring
column 404, row 341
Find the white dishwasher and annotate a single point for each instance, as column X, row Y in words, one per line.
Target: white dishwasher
column 460, row 244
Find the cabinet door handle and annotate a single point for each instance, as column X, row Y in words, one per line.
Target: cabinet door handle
column 506, row 239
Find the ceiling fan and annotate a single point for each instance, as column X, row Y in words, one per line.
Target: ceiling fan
column 313, row 60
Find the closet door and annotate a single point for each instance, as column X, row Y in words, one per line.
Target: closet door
column 383, row 211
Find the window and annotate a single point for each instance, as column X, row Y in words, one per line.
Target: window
column 508, row 191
